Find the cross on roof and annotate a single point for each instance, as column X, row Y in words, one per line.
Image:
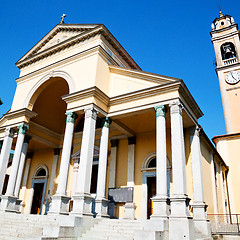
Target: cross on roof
column 62, row 17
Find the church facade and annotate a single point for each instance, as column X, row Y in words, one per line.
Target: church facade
column 94, row 136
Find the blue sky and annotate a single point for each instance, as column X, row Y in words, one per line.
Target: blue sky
column 165, row 37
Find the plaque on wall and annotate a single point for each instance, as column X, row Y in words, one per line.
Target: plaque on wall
column 120, row 195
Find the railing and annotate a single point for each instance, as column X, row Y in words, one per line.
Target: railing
column 225, row 223
column 229, row 61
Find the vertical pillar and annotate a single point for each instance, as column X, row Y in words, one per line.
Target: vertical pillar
column 130, row 206
column 82, row 200
column 113, row 163
column 21, row 165
column 52, row 177
column 8, row 202
column 60, row 201
column 101, row 202
column 75, row 174
column 160, row 208
column 201, row 224
column 24, row 182
column 5, row 153
column 180, row 222
column 112, row 175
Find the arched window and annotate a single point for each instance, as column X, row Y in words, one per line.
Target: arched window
column 228, row 51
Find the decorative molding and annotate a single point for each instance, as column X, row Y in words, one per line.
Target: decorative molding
column 9, row 132
column 24, row 112
column 114, row 143
column 176, row 107
column 132, row 140
column 27, row 139
column 89, row 92
column 57, row 151
column 147, row 76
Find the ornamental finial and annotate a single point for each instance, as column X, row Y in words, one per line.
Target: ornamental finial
column 62, row 17
column 220, row 12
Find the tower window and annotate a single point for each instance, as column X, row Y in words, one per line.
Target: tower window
column 228, row 51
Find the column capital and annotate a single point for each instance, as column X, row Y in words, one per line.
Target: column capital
column 57, row 151
column 131, row 140
column 114, row 142
column 27, row 139
column 71, row 117
column 195, row 131
column 22, row 128
column 9, row 132
column 161, row 110
column 91, row 113
column 176, row 107
column 106, row 122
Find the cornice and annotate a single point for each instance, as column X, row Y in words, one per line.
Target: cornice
column 147, row 76
column 89, row 92
column 99, row 29
column 184, row 92
column 19, row 113
column 144, row 93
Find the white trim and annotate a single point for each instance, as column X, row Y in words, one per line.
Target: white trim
column 41, row 166
column 145, row 192
column 57, row 73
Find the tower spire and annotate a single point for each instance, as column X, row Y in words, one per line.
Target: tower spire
column 220, row 12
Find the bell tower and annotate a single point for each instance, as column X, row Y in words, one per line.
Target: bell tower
column 226, row 42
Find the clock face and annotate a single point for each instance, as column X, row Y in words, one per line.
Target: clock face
column 233, row 77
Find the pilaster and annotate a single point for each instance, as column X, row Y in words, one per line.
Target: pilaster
column 201, row 224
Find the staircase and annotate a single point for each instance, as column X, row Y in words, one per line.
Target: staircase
column 17, row 226
column 113, row 229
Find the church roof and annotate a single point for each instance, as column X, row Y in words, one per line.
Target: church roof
column 63, row 36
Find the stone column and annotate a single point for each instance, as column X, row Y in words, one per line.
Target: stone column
column 101, row 202
column 5, row 153
column 25, row 178
column 180, row 222
column 21, row 165
column 52, row 178
column 130, row 206
column 112, row 175
column 60, row 201
column 160, row 208
column 75, row 174
column 8, row 202
column 82, row 200
column 201, row 224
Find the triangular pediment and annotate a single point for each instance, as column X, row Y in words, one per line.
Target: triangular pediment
column 58, row 35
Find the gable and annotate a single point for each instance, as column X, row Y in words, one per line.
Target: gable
column 58, row 35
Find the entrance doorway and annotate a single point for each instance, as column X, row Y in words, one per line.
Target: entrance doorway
column 37, row 198
column 38, row 188
column 151, row 187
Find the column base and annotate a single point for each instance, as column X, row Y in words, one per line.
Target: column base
column 161, row 207
column 9, row 204
column 181, row 228
column 101, row 208
column 59, row 205
column 129, row 211
column 82, row 205
column 180, row 206
column 201, row 223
